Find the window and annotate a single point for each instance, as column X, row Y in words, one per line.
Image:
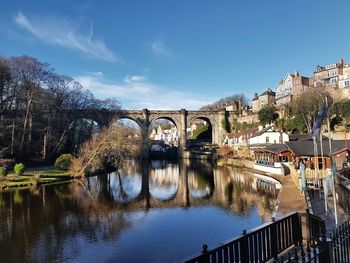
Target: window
column 267, row 139
column 320, row 163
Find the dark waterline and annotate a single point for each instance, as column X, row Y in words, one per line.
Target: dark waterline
column 149, row 212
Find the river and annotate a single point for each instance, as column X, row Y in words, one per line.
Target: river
column 155, row 211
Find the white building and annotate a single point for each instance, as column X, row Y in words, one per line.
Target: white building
column 344, row 79
column 268, row 135
column 168, row 136
column 284, row 90
column 235, row 140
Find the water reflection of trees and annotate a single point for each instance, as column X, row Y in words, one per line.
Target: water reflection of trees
column 243, row 191
column 40, row 227
column 39, row 224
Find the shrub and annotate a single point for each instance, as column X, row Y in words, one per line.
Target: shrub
column 3, row 171
column 19, row 168
column 63, row 162
column 76, row 168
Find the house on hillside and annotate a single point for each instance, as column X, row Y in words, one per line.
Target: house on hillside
column 239, row 139
column 329, row 75
column 291, row 86
column 266, row 98
column 268, row 135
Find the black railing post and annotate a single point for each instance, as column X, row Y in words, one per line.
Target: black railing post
column 326, row 250
column 297, row 232
column 205, row 256
column 308, row 224
column 243, row 248
column 274, row 249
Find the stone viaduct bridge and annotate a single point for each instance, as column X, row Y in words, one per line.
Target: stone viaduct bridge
column 144, row 118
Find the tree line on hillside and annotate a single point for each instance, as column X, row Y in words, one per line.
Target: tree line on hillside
column 227, row 101
column 34, row 100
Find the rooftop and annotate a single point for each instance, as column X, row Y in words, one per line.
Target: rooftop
column 306, row 148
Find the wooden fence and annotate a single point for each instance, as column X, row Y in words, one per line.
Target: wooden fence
column 313, row 177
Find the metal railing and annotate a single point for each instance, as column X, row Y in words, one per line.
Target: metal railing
column 332, row 249
column 257, row 245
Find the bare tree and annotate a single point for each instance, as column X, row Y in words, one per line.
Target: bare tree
column 239, row 98
column 308, row 104
column 109, row 148
column 40, row 109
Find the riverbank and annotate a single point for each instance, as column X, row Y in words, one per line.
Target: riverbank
column 289, row 198
column 33, row 177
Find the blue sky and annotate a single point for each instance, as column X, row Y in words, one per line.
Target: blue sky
column 165, row 54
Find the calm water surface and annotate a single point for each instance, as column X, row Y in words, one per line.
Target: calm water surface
column 148, row 212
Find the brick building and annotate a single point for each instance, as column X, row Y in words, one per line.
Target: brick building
column 329, row 75
column 292, row 85
column 266, row 98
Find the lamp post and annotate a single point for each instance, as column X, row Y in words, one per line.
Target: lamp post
column 333, row 168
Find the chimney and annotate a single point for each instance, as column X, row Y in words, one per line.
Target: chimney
column 296, row 73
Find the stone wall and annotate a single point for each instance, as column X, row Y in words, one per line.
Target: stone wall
column 241, row 163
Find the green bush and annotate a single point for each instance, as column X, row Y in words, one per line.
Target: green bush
column 63, row 162
column 3, row 171
column 19, row 168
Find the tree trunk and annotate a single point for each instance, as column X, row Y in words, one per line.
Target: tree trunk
column 29, row 143
column 44, row 147
column 13, row 136
column 25, row 123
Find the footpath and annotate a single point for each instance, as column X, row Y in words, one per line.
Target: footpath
column 289, row 199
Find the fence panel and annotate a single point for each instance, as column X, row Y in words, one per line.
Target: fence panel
column 258, row 245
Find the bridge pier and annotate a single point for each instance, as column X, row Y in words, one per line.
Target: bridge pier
column 144, row 134
column 182, row 133
column 183, row 193
column 220, row 130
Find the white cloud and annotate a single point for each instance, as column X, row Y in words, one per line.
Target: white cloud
column 97, row 73
column 65, row 33
column 134, row 78
column 160, row 49
column 136, row 92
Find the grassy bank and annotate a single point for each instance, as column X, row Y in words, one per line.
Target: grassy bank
column 34, row 176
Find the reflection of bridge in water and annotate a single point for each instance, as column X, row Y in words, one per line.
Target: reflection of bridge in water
column 186, row 184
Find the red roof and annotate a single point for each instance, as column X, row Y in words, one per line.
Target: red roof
column 248, row 133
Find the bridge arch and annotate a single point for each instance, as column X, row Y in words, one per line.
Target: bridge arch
column 213, row 125
column 131, row 118
column 163, row 136
column 172, row 119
